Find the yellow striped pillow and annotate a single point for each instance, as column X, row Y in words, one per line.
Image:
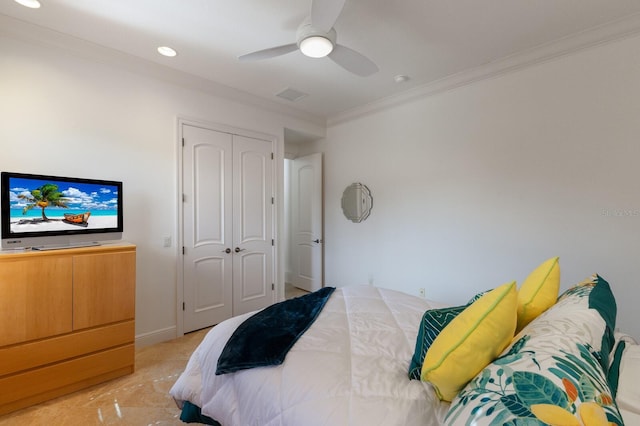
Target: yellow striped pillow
column 471, row 341
column 538, row 292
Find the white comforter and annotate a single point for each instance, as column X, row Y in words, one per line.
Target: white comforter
column 349, row 368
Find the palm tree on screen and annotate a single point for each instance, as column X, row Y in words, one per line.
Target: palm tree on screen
column 42, row 197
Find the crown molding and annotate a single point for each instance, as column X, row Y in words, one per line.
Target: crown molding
column 39, row 35
column 614, row 31
column 603, row 34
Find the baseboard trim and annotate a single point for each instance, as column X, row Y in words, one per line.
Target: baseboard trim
column 156, row 336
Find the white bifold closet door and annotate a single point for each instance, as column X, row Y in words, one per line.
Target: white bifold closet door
column 227, row 225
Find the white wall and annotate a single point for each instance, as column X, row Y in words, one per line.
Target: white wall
column 472, row 187
column 62, row 114
column 476, row 186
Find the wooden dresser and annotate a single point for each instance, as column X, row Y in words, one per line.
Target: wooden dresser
column 66, row 321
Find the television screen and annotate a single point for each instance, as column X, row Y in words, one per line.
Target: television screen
column 37, row 206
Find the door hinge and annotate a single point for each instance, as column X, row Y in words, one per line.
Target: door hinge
column 183, row 306
column 272, row 155
column 273, row 286
column 183, row 250
column 184, row 197
column 272, row 200
column 273, row 242
column 183, row 142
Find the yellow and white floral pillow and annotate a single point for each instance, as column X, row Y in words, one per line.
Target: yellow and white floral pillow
column 554, row 373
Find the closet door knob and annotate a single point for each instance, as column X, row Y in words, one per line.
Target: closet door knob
column 227, row 250
column 317, row 241
column 238, row 250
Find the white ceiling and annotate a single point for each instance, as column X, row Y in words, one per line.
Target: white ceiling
column 427, row 40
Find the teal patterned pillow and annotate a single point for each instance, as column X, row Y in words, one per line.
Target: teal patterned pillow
column 433, row 322
column 553, row 371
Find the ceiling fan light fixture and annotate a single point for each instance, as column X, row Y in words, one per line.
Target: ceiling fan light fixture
column 316, row 46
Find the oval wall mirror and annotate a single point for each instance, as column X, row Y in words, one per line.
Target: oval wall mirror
column 356, row 202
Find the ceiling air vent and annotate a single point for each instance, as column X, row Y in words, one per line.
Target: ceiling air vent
column 292, row 95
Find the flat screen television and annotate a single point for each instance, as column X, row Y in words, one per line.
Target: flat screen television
column 47, row 212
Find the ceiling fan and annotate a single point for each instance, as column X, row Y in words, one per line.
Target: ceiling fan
column 316, row 38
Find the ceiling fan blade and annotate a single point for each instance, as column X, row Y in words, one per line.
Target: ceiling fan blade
column 353, row 61
column 324, row 13
column 269, row 53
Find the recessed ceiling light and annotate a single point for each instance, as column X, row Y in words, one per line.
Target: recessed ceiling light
column 33, row 4
column 167, row 51
column 401, row 78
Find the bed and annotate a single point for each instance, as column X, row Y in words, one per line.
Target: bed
column 352, row 365
column 349, row 367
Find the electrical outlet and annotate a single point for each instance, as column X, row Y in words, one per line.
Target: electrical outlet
column 166, row 241
column 421, row 292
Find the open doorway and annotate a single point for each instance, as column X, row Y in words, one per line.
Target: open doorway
column 303, row 219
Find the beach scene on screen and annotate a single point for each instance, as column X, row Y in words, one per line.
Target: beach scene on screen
column 50, row 205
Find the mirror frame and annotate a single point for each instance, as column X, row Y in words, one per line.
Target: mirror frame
column 356, row 202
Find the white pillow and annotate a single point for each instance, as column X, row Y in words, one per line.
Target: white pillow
column 629, row 417
column 628, row 397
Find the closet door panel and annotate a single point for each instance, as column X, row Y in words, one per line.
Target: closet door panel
column 252, row 228
column 207, row 227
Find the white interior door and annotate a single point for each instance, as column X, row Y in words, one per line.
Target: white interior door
column 207, row 227
column 252, row 225
column 306, row 222
column 227, row 226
